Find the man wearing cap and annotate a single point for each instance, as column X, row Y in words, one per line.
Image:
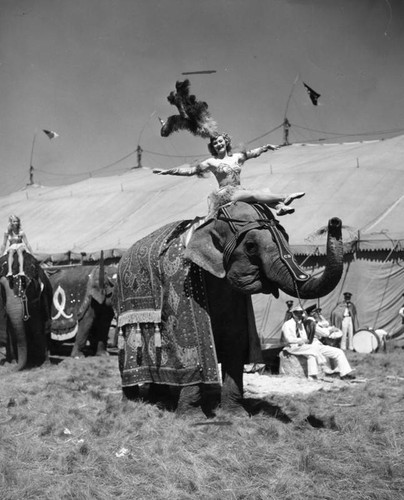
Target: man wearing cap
column 295, row 336
column 345, row 318
column 288, row 313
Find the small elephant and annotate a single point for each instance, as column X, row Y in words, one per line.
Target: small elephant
column 81, row 308
column 26, row 301
column 181, row 310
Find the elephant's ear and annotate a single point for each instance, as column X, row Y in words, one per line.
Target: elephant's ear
column 206, row 250
column 94, row 289
column 98, row 295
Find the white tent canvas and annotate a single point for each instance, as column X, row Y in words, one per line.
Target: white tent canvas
column 361, row 183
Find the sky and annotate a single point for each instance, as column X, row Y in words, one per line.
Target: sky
column 98, row 73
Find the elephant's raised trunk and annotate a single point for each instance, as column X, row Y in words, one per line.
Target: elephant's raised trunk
column 320, row 286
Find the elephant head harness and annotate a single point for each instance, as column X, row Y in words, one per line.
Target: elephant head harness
column 19, row 285
column 267, row 221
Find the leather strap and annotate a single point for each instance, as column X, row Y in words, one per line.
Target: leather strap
column 267, row 221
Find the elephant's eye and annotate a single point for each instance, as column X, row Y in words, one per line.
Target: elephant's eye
column 250, row 247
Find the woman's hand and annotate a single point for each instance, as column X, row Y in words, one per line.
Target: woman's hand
column 270, row 147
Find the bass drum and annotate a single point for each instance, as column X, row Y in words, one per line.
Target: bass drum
column 366, row 341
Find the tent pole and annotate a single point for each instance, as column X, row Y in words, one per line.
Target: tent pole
column 31, row 166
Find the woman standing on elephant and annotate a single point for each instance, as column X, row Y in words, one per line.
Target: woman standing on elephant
column 226, row 167
column 15, row 240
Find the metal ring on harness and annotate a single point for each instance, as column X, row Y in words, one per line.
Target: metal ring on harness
column 20, row 292
column 24, row 301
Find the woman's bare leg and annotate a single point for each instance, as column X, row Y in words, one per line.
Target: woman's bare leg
column 259, row 196
column 10, row 262
column 274, row 201
column 20, row 253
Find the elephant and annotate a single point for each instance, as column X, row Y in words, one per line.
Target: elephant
column 27, row 303
column 81, row 307
column 183, row 302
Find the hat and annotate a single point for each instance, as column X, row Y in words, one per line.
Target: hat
column 289, row 303
column 347, row 294
column 310, row 309
column 297, row 309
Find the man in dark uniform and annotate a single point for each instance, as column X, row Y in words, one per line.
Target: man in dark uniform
column 345, row 318
column 288, row 313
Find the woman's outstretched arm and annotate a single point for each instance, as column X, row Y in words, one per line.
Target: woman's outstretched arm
column 198, row 169
column 254, row 153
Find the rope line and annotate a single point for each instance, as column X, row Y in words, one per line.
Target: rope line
column 166, row 155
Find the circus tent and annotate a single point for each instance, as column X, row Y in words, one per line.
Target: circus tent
column 361, row 183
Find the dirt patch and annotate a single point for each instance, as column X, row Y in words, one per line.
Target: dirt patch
column 256, row 385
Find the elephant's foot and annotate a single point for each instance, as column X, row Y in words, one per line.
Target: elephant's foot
column 189, row 400
column 130, row 393
column 232, row 401
column 101, row 350
column 76, row 354
column 17, row 368
column 102, row 353
column 46, row 363
column 229, row 413
column 233, row 409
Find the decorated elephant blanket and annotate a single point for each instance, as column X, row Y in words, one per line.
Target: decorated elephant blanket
column 165, row 333
column 69, row 300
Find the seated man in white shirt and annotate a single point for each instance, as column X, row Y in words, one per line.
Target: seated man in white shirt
column 295, row 336
column 322, row 331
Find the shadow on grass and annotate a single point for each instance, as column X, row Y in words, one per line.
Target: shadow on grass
column 259, row 406
column 322, row 423
column 167, row 399
column 55, row 360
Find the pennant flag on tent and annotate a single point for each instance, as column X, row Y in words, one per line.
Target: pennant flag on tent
column 312, row 94
column 51, row 134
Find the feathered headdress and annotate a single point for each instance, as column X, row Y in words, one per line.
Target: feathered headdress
column 193, row 115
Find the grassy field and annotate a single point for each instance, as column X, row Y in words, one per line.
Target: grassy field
column 66, row 434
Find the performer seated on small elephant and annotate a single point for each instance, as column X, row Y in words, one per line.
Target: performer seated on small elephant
column 226, row 167
column 15, row 240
